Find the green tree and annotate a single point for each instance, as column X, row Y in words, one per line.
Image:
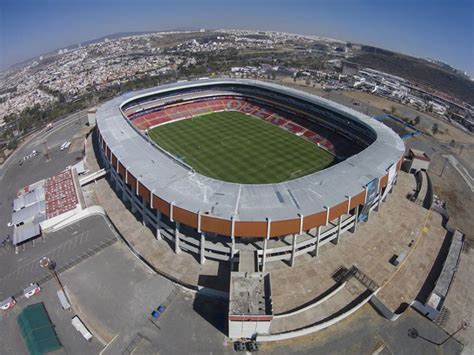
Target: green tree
column 417, row 120
column 435, row 128
column 452, row 143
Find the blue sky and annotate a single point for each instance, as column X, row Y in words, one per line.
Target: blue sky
column 439, row 29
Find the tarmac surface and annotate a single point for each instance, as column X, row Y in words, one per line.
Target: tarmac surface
column 14, row 176
column 366, row 331
column 66, row 247
column 11, row 341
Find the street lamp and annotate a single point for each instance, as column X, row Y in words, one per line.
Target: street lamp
column 50, row 265
column 413, row 333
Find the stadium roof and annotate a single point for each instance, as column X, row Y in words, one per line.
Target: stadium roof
column 194, row 192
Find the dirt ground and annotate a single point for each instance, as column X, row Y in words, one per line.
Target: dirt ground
column 373, row 105
column 447, row 131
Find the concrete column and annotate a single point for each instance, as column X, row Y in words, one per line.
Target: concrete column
column 124, row 193
column 379, row 203
column 264, row 256
column 318, row 237
column 117, row 183
column 232, row 237
column 177, row 249
column 293, row 250
column 338, row 233
column 158, row 225
column 232, row 249
column 264, row 259
column 202, row 258
column 356, row 213
column 368, row 214
column 143, row 212
column 134, row 207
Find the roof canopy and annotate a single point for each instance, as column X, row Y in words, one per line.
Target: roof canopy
column 37, row 330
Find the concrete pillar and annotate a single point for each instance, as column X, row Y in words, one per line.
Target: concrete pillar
column 117, row 184
column 177, row 249
column 124, row 193
column 202, row 258
column 293, row 250
column 379, row 203
column 338, row 233
column 158, row 225
column 356, row 214
column 232, row 237
column 134, row 207
column 232, row 249
column 264, row 256
column 264, row 259
column 368, row 214
column 144, row 213
column 318, row 237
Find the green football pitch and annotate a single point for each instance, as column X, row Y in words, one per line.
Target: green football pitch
column 235, row 147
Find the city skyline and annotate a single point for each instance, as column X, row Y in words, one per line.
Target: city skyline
column 435, row 30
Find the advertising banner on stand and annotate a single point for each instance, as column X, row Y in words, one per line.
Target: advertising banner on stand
column 372, row 191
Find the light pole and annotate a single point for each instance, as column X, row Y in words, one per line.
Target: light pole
column 413, row 333
column 444, row 166
column 50, row 265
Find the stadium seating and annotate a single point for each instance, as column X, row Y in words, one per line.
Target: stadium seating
column 295, row 122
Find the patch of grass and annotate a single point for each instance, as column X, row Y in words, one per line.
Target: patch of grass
column 235, row 147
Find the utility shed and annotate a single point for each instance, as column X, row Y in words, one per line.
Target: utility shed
column 417, row 160
column 250, row 304
column 37, row 330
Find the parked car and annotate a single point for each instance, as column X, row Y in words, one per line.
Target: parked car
column 31, row 290
column 7, row 303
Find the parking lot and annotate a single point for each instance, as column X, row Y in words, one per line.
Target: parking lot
column 73, row 343
column 65, row 246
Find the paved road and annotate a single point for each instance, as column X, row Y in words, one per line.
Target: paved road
column 66, row 246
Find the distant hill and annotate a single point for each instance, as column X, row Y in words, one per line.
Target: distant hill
column 417, row 70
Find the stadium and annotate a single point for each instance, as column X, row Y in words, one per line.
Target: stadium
column 218, row 167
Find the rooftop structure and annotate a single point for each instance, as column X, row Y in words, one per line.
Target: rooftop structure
column 250, row 304
column 417, row 160
column 61, row 194
column 45, row 203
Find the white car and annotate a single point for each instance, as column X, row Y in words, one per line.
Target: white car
column 31, row 290
column 8, row 303
column 65, row 145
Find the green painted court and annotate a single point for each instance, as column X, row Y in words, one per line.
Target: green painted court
column 235, row 147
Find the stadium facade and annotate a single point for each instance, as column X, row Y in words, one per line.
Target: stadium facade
column 217, row 219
